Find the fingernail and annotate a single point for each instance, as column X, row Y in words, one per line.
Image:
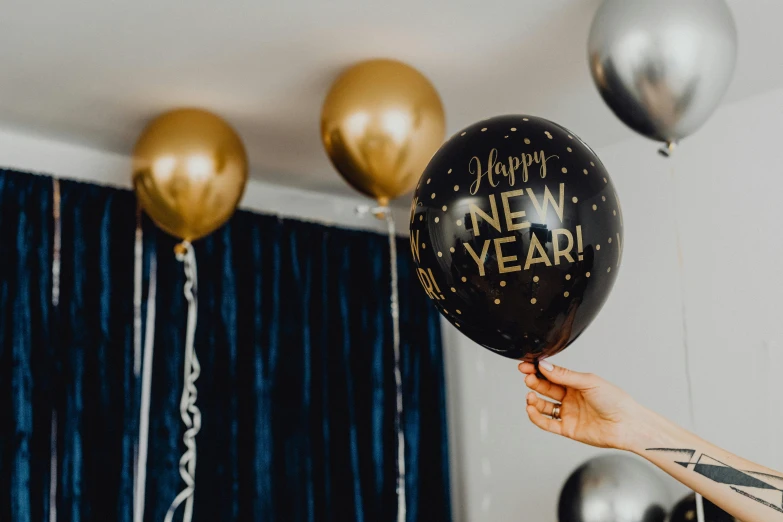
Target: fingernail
column 548, row 366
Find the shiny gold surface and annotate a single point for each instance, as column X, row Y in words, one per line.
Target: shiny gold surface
column 189, row 172
column 381, row 123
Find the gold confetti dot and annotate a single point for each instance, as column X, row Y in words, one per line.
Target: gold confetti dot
column 527, row 141
column 564, row 170
column 566, row 294
column 609, row 269
column 484, row 129
column 595, row 207
column 456, row 188
column 603, row 198
column 505, row 136
column 569, row 149
column 513, row 129
column 610, row 239
column 585, row 171
column 428, row 181
column 570, row 137
column 423, row 245
column 568, row 277
column 444, row 208
column 421, row 217
column 533, row 301
column 460, row 313
column 502, row 283
column 449, row 172
column 587, row 274
column 437, row 219
column 497, row 301
column 593, row 164
column 575, row 199
column 464, row 279
column 605, row 181
column 463, row 133
column 548, row 135
column 453, row 289
column 432, row 196
column 457, row 324
column 459, row 222
column 451, row 250
column 535, row 279
column 525, row 119
column 614, row 212
column 445, row 311
column 598, row 247
column 440, row 254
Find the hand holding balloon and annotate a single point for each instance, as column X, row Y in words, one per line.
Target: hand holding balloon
column 592, row 411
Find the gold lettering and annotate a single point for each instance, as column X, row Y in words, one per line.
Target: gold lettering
column 556, row 245
column 434, row 283
column 479, row 259
column 535, row 246
column 426, row 283
column 547, row 199
column 474, row 167
column 502, row 268
column 511, row 216
column 494, row 220
column 415, row 247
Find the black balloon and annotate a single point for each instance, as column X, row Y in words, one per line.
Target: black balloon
column 516, row 231
column 685, row 511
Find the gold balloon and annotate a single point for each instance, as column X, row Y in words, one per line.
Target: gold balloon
column 381, row 123
column 189, row 172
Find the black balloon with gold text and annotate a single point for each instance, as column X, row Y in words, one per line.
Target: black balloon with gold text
column 517, row 234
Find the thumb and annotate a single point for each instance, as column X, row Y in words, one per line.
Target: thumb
column 566, row 377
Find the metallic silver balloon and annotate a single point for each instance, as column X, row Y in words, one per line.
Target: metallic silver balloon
column 614, row 488
column 663, row 66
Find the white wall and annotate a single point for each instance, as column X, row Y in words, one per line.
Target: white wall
column 723, row 194
column 29, row 153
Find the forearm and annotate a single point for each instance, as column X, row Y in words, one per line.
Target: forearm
column 744, row 489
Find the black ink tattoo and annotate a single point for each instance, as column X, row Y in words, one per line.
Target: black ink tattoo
column 763, row 488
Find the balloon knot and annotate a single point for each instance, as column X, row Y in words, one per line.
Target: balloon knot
column 668, row 149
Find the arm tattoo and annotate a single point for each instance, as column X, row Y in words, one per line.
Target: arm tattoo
column 763, row 488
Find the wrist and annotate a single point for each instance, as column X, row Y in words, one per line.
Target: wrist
column 648, row 429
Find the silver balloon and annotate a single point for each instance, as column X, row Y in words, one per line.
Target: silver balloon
column 663, row 66
column 614, row 488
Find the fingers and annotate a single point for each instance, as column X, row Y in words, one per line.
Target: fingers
column 566, row 377
column 545, row 423
column 546, row 388
column 542, row 405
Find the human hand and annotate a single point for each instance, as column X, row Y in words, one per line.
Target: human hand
column 592, row 410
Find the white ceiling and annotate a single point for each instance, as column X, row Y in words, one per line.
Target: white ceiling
column 93, row 72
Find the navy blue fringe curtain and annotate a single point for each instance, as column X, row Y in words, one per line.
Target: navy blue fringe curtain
column 296, row 389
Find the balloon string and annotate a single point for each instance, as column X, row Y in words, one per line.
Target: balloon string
column 140, row 486
column 138, row 252
column 191, row 416
column 686, row 350
column 56, row 248
column 395, row 313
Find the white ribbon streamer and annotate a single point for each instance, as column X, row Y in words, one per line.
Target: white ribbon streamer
column 138, row 252
column 191, row 416
column 140, row 486
column 56, row 247
column 395, row 313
